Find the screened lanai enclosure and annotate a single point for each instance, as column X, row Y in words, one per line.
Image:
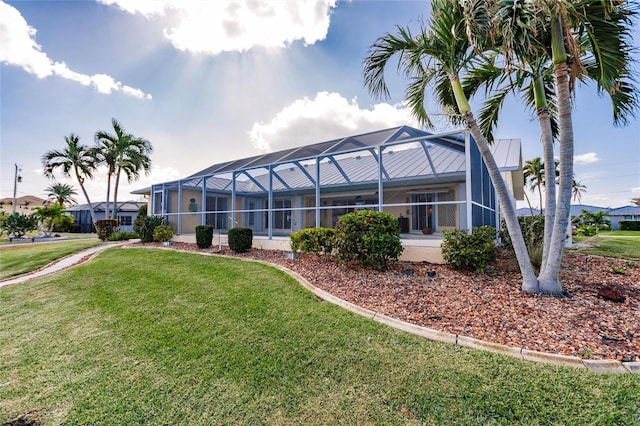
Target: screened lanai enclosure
column 430, row 182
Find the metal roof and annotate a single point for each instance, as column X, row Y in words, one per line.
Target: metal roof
column 624, row 211
column 123, row 206
column 407, row 154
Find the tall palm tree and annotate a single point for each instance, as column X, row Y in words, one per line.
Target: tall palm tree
column 596, row 33
column 602, row 29
column 123, row 152
column 577, row 189
column 436, row 58
column 62, row 193
column 75, row 158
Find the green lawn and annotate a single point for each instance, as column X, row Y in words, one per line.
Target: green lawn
column 620, row 244
column 21, row 258
column 143, row 336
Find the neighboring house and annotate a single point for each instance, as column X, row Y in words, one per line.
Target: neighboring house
column 24, row 204
column 623, row 213
column 127, row 212
column 428, row 181
column 575, row 210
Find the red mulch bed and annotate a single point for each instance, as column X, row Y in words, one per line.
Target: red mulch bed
column 490, row 306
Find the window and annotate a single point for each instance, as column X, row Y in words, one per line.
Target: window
column 125, row 220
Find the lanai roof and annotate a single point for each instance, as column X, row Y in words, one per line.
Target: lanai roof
column 407, row 153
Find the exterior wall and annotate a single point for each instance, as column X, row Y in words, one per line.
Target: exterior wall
column 616, row 219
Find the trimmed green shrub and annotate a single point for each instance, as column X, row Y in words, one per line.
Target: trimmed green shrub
column 318, row 241
column 145, row 226
column 473, row 252
column 204, row 236
column 240, row 239
column 629, row 225
column 163, row 233
column 368, row 237
column 143, row 210
column 123, row 236
column 106, row 227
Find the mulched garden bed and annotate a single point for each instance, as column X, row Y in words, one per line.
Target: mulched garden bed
column 489, row 306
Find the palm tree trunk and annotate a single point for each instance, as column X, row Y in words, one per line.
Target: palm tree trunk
column 106, row 209
column 84, row 191
column 549, row 276
column 550, row 188
column 529, row 280
column 115, row 192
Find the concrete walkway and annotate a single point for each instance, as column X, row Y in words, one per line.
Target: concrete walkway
column 60, row 264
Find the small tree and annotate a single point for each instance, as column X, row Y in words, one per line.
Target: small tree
column 18, row 224
column 48, row 216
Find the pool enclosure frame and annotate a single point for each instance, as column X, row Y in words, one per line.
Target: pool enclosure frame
column 438, row 180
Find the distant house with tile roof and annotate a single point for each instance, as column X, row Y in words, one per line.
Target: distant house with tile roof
column 24, row 204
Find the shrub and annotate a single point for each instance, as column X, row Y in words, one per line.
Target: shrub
column 532, row 231
column 474, row 251
column 629, row 225
column 314, row 240
column 204, row 236
column 106, row 227
column 19, row 224
column 123, row 236
column 586, row 230
column 63, row 223
column 143, row 210
column 240, row 239
column 532, row 228
column 163, row 233
column 368, row 237
column 145, row 226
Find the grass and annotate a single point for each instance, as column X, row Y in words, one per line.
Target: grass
column 619, row 244
column 25, row 257
column 159, row 337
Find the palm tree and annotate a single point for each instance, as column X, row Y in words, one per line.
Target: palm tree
column 533, row 172
column 602, row 29
column 62, row 193
column 74, row 158
column 577, row 189
column 598, row 40
column 123, row 152
column 437, row 57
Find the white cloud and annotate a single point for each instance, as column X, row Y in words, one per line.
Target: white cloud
column 588, row 158
column 212, row 27
column 635, row 190
column 328, row 116
column 20, row 48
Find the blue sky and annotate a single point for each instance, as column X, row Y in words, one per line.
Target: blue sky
column 226, row 81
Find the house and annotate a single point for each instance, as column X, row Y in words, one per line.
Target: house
column 429, row 181
column 24, row 204
column 623, row 213
column 127, row 212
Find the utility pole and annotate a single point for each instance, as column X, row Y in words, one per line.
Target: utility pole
column 16, row 178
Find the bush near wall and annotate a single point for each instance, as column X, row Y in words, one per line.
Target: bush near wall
column 368, row 237
column 473, row 252
column 106, row 227
column 240, row 239
column 163, row 233
column 629, row 225
column 144, row 226
column 204, row 236
column 319, row 241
